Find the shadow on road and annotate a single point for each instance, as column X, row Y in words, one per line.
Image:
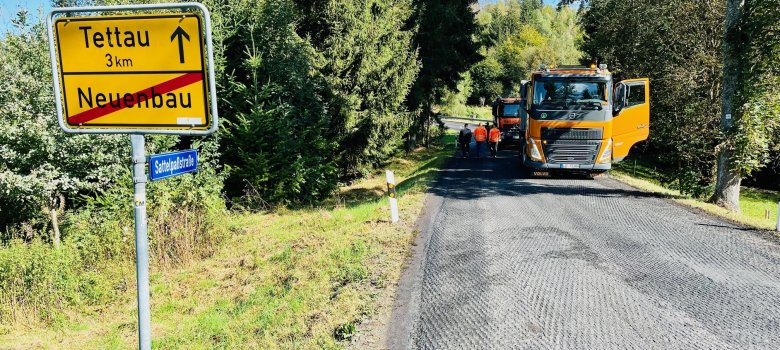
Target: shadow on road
column 470, row 178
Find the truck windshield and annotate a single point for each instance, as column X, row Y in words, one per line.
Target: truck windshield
column 567, row 93
column 512, row 111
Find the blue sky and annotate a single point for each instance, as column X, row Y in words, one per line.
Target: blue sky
column 8, row 9
column 547, row 2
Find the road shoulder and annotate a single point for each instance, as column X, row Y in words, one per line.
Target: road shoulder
column 695, row 206
column 400, row 332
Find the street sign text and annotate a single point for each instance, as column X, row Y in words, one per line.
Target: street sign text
column 166, row 165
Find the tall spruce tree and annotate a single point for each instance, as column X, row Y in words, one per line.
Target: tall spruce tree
column 445, row 40
column 366, row 55
column 276, row 130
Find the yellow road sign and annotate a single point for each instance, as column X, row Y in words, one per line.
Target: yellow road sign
column 133, row 72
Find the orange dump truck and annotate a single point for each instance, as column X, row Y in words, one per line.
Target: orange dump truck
column 579, row 120
column 508, row 115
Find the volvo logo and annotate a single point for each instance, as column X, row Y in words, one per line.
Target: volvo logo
column 574, row 115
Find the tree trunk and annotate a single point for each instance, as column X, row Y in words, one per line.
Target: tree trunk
column 727, row 183
column 427, row 124
column 729, row 175
column 55, row 227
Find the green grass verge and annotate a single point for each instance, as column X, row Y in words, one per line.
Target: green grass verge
column 286, row 279
column 755, row 204
column 475, row 112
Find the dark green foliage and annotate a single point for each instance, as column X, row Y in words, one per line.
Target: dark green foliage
column 277, row 139
column 366, row 57
column 315, row 93
column 677, row 44
column 445, row 40
column 756, row 139
column 487, row 79
column 447, row 47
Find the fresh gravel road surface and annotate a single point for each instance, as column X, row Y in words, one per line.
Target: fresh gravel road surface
column 505, row 262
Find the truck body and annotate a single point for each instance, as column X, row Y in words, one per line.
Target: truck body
column 580, row 121
column 508, row 115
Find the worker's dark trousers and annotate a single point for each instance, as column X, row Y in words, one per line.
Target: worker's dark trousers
column 493, row 148
column 464, row 148
column 479, row 148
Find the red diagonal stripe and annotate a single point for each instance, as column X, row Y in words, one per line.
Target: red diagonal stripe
column 161, row 88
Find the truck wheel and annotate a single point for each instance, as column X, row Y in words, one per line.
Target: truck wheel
column 525, row 172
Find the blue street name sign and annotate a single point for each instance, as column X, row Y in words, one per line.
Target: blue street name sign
column 167, row 165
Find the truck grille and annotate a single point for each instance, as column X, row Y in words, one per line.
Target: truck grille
column 571, row 151
column 511, row 128
column 572, row 133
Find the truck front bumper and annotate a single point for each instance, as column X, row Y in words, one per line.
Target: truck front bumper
column 568, row 167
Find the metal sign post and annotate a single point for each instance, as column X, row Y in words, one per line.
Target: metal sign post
column 141, row 243
column 147, row 73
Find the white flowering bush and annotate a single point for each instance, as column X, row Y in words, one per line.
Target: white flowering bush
column 41, row 168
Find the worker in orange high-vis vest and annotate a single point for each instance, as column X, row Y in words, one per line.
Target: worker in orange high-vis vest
column 494, row 136
column 480, row 135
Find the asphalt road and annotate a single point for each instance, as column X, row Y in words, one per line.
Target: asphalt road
column 505, row 262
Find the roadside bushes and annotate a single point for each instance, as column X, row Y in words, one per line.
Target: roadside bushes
column 95, row 260
column 39, row 282
column 41, row 168
column 83, row 183
column 277, row 141
column 678, row 45
column 681, row 55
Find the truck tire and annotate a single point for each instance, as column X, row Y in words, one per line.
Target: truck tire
column 525, row 172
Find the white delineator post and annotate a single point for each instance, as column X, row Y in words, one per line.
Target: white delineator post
column 392, row 195
column 778, row 217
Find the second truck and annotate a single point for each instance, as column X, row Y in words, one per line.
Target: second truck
column 509, row 115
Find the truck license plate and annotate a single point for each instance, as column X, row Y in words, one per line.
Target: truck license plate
column 570, row 166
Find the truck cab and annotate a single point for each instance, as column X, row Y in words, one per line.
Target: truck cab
column 509, row 115
column 579, row 120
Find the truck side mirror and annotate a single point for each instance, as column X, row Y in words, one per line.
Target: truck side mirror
column 523, row 89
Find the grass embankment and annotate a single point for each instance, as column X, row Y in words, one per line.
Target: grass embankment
column 754, row 203
column 287, row 279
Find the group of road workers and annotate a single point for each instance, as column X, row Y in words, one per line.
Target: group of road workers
column 481, row 135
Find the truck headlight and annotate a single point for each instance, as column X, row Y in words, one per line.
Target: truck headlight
column 535, row 154
column 607, row 154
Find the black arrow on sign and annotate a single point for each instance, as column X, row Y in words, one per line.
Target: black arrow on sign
column 181, row 34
